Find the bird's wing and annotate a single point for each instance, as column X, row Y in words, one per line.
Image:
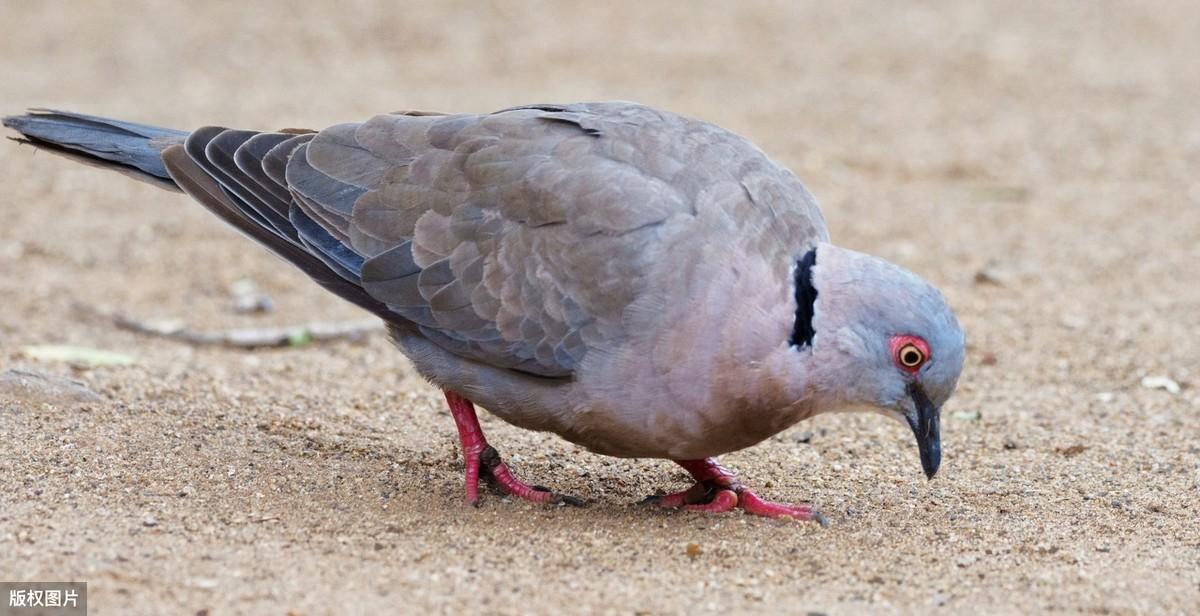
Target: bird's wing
column 516, row 238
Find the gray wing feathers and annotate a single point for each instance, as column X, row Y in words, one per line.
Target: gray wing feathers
column 517, row 238
column 460, row 198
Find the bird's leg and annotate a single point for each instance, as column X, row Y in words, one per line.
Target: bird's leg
column 482, row 457
column 718, row 490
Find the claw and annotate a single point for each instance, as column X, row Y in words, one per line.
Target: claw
column 572, row 501
column 561, row 499
column 653, row 499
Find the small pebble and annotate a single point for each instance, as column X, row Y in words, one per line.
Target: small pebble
column 1072, row 451
column 1161, row 382
column 1072, row 321
column 248, row 299
column 992, row 274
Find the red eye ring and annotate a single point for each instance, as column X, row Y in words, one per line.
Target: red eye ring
column 909, row 352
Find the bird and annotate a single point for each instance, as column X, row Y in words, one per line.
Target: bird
column 640, row 283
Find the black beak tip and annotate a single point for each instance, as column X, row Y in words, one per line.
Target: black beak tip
column 931, row 466
column 931, row 457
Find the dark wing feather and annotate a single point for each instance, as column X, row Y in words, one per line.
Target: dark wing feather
column 203, row 187
column 274, row 163
column 249, row 160
column 221, row 152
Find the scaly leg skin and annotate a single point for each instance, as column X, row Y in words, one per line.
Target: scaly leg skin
column 482, row 457
column 717, row 490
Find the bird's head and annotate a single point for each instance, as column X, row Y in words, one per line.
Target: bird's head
column 882, row 340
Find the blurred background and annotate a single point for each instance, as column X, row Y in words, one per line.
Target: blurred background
column 1036, row 160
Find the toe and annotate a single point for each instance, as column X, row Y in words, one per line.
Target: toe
column 752, row 504
column 722, row 501
column 698, row 494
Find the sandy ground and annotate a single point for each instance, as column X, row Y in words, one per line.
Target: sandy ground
column 1054, row 147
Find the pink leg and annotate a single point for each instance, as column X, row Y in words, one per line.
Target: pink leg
column 718, row 490
column 480, row 456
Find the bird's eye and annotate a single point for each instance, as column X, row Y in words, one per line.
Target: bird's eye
column 909, row 352
column 910, row 356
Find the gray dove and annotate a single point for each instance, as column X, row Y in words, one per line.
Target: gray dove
column 640, row 283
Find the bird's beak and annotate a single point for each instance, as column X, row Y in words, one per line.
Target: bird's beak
column 924, row 424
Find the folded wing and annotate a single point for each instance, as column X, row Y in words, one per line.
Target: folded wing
column 514, row 238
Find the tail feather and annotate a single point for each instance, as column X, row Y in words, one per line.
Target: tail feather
column 204, row 165
column 130, row 147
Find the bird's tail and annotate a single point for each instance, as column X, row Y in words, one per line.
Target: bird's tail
column 128, row 147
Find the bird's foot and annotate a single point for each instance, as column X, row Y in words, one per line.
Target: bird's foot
column 482, row 458
column 717, row 490
column 488, row 462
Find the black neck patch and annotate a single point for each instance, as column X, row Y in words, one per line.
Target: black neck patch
column 806, row 297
